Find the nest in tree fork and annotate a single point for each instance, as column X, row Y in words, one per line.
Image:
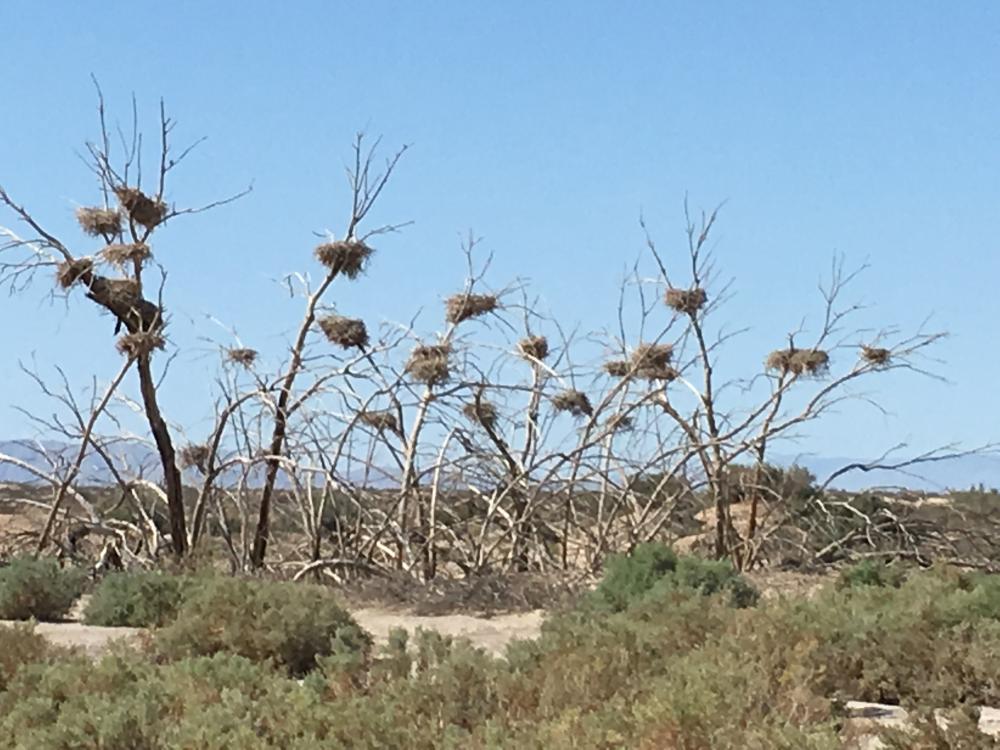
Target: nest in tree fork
column 481, row 412
column 121, row 297
column 347, row 257
column 141, row 209
column 617, row 368
column 573, row 401
column 687, row 301
column 140, row 343
column 194, row 455
column 429, row 363
column 652, row 361
column 344, row 332
column 798, row 361
column 71, row 271
column 875, row 355
column 122, row 255
column 380, row 420
column 461, row 307
column 534, row 347
column 99, row 222
column 242, row 356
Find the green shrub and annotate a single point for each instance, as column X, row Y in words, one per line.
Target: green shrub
column 137, row 600
column 708, row 577
column 39, row 589
column 628, row 577
column 288, row 624
column 871, row 573
column 19, row 645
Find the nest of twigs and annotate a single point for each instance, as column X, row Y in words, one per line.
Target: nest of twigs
column 142, row 209
column 140, row 343
column 379, row 420
column 99, row 222
column 428, row 363
column 534, row 347
column 687, row 301
column 122, row 255
column 461, row 307
column 798, row 361
column 652, row 361
column 481, row 412
column 875, row 355
column 71, row 271
column 344, row 332
column 573, row 401
column 620, row 423
column 242, row 356
column 194, row 455
column 617, row 368
column 347, row 257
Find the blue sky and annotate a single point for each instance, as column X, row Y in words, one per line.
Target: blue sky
column 868, row 129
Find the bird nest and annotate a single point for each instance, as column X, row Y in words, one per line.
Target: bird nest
column 534, row 347
column 194, row 455
column 620, row 423
column 461, row 307
column 140, row 343
column 617, row 368
column 573, row 401
column 242, row 356
column 122, row 255
column 141, row 209
column 798, row 361
column 347, row 257
column 481, row 412
column 428, row 363
column 875, row 355
column 652, row 361
column 99, row 222
column 379, row 420
column 344, row 332
column 687, row 301
column 71, row 271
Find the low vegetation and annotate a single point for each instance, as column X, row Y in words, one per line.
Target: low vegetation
column 39, row 589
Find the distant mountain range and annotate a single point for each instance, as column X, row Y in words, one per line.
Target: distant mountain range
column 937, row 476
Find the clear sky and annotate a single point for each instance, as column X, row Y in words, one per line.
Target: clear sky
column 868, row 129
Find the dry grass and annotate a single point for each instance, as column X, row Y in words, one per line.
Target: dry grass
column 687, row 301
column 534, row 347
column 573, row 401
column 142, row 209
column 462, row 307
column 99, row 222
column 428, row 363
column 344, row 332
column 242, row 356
column 140, row 343
column 347, row 257
column 71, row 271
column 122, row 255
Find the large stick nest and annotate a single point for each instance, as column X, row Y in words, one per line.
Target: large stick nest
column 573, row 401
column 652, row 361
column 481, row 412
column 617, row 368
column 687, row 301
column 194, row 455
column 347, row 257
column 122, row 298
column 242, row 356
column 99, row 222
column 379, row 420
column 428, row 363
column 122, row 255
column 875, row 355
column 344, row 332
column 140, row 343
column 71, row 271
column 141, row 209
column 534, row 347
column 798, row 361
column 461, row 307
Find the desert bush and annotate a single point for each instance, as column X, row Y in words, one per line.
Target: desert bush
column 39, row 589
column 19, row 645
column 290, row 625
column 137, row 600
column 872, row 573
